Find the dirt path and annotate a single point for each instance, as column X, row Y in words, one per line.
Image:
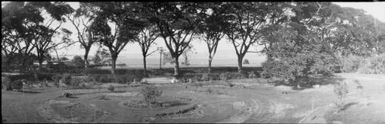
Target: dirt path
column 17, row 107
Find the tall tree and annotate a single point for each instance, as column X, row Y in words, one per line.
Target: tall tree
column 147, row 38
column 212, row 29
column 125, row 25
column 244, row 30
column 177, row 23
column 23, row 21
column 82, row 20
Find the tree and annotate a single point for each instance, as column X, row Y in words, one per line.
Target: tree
column 81, row 20
column 23, row 23
column 301, row 47
column 101, row 56
column 44, row 41
column 177, row 23
column 147, row 38
column 186, row 54
column 212, row 28
column 125, row 19
column 245, row 26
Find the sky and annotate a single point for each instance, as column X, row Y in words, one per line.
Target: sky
column 131, row 55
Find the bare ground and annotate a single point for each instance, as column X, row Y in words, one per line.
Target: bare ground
column 249, row 102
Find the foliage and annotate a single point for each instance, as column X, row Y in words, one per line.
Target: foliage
column 101, row 56
column 5, row 83
column 127, row 22
column 365, row 65
column 25, row 29
column 351, row 63
column 150, row 94
column 373, row 65
column 81, row 82
column 224, row 76
column 145, row 40
column 78, row 61
column 177, row 23
column 66, row 79
column 81, row 19
column 298, row 50
column 341, row 90
column 246, row 21
column 252, row 75
column 211, row 29
column 13, row 85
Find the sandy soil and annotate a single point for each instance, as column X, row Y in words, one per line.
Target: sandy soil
column 249, row 102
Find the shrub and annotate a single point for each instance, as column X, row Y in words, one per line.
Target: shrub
column 210, row 76
column 80, row 81
column 224, row 76
column 351, row 63
column 78, row 62
column 5, row 83
column 252, row 75
column 373, row 65
column 111, row 88
column 369, row 65
column 106, row 78
column 56, row 79
column 17, row 84
column 236, row 75
column 66, row 79
column 205, row 77
column 341, row 90
column 150, row 93
column 297, row 70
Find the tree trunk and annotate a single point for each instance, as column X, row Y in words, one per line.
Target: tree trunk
column 86, row 63
column 113, row 67
column 40, row 64
column 176, row 67
column 210, row 61
column 145, row 66
column 240, row 58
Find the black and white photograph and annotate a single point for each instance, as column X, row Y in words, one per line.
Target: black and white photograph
column 193, row 62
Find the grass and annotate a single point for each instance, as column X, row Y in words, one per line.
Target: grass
column 215, row 103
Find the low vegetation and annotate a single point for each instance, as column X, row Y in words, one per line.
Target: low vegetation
column 150, row 94
column 341, row 90
column 364, row 65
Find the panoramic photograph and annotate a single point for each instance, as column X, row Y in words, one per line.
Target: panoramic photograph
column 193, row 62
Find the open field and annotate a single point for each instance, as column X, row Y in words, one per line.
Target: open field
column 249, row 100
